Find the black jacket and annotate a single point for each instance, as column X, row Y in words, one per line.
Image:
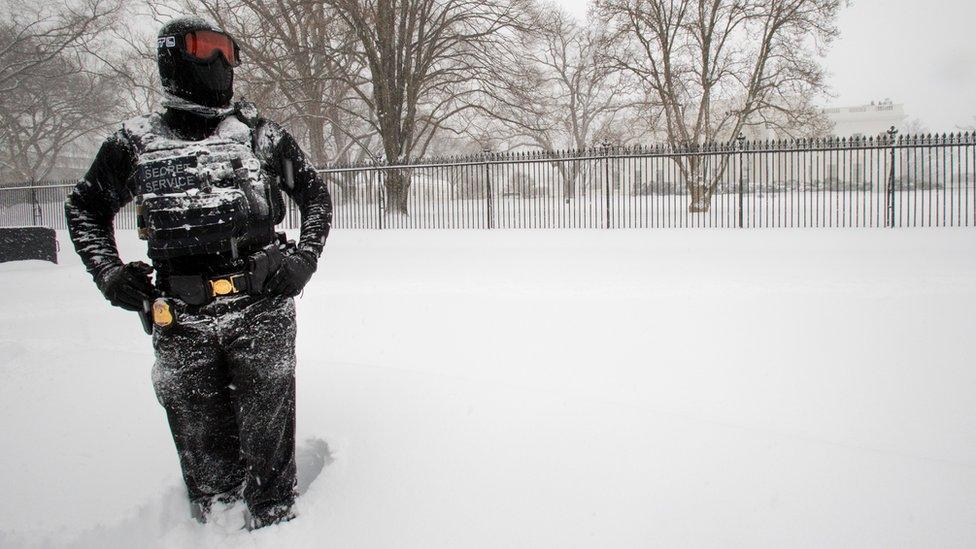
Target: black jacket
column 109, row 185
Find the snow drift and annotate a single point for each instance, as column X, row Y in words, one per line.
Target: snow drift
column 540, row 389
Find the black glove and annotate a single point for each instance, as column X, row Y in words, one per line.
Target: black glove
column 126, row 286
column 295, row 271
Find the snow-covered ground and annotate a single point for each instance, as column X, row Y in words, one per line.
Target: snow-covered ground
column 792, row 388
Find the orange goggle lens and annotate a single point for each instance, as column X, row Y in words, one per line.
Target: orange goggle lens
column 204, row 46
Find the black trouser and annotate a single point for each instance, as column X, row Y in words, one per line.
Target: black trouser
column 225, row 373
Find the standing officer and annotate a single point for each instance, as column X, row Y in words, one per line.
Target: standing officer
column 206, row 176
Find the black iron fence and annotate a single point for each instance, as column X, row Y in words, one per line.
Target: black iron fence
column 884, row 181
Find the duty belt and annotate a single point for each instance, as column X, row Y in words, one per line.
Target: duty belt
column 200, row 290
column 231, row 284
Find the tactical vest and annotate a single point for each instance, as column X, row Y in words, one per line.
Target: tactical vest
column 202, row 197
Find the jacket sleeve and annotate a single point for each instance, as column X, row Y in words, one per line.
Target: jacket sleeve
column 91, row 206
column 302, row 184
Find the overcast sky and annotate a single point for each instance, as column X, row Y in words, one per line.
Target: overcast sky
column 916, row 52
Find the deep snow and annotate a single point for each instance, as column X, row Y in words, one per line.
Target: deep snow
column 794, row 388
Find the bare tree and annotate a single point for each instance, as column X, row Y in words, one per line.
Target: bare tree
column 715, row 66
column 128, row 54
column 572, row 84
column 34, row 34
column 563, row 93
column 915, row 126
column 427, row 61
column 51, row 92
column 43, row 115
column 299, row 62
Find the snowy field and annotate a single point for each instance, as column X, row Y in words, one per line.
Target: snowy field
column 604, row 389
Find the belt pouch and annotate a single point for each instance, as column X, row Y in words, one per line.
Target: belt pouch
column 190, row 288
column 262, row 265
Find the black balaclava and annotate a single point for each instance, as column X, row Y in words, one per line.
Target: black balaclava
column 209, row 84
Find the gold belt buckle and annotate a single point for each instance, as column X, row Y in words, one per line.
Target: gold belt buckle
column 224, row 286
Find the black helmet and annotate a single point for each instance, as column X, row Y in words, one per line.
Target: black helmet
column 196, row 61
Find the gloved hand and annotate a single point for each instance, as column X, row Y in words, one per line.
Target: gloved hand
column 127, row 285
column 295, row 271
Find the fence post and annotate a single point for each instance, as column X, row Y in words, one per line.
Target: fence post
column 380, row 196
column 890, row 191
column 35, row 206
column 606, row 176
column 490, row 211
column 741, row 146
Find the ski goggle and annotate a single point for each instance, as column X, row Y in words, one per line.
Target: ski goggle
column 205, row 45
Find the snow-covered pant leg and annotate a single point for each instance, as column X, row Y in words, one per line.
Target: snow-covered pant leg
column 260, row 349
column 193, row 384
column 225, row 373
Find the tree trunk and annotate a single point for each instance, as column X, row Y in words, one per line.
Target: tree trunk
column 569, row 180
column 701, row 197
column 695, row 173
column 316, row 140
column 347, row 181
column 569, row 173
column 397, row 185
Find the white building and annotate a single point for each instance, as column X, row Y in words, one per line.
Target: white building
column 858, row 121
column 866, row 120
